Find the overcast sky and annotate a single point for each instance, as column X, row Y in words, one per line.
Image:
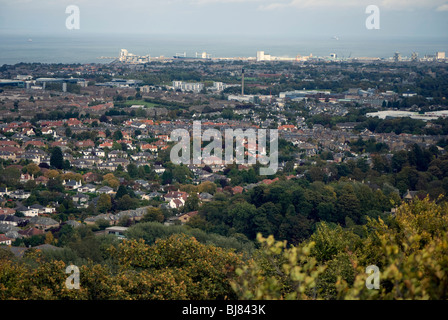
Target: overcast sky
column 279, row 18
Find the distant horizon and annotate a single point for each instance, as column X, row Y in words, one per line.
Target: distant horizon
column 86, row 48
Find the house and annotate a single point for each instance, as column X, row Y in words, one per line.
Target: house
column 73, row 223
column 42, row 180
column 143, row 183
column 7, row 155
column 72, row 184
column 159, row 169
column 106, row 190
column 181, row 219
column 4, row 192
column 287, row 127
column 409, row 195
column 80, row 198
column 154, row 194
column 85, row 144
column 10, row 220
column 31, row 232
column 116, row 230
column 176, row 203
column 110, row 218
column 40, row 209
column 5, row 240
column 90, row 177
column 49, row 209
column 7, row 211
column 18, row 251
column 44, row 223
column 187, row 216
column 163, row 137
column 176, row 195
column 48, row 131
column 205, row 196
column 237, row 189
column 115, row 154
column 106, row 144
column 20, row 194
column 87, row 188
column 28, row 211
column 99, row 153
column 148, row 147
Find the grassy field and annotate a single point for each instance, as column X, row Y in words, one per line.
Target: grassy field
column 140, row 102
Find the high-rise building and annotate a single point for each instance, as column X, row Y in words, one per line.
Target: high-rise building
column 261, row 56
column 188, row 86
column 123, row 54
column 440, row 55
column 414, row 56
column 397, row 56
column 242, row 82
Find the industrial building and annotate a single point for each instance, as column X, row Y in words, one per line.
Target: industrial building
column 12, row 83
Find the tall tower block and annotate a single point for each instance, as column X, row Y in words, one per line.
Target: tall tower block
column 242, row 82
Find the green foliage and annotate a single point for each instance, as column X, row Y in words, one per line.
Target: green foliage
column 57, row 158
column 199, row 271
column 153, row 214
column 279, row 273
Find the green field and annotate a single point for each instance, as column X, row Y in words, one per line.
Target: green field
column 140, row 102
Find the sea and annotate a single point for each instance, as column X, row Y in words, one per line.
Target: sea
column 89, row 48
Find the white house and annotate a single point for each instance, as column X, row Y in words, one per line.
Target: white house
column 87, row 188
column 28, row 211
column 176, row 203
column 105, row 189
column 20, row 194
column 5, row 240
column 4, row 192
column 72, row 184
column 159, row 169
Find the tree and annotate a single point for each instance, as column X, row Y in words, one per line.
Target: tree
column 127, row 203
column 410, row 253
column 55, row 184
column 153, row 214
column 110, row 180
column 132, row 170
column 278, row 272
column 295, row 227
column 32, row 168
column 104, row 203
column 121, row 192
column 49, row 238
column 181, row 173
column 181, row 267
column 242, row 218
column 208, row 187
column 125, row 221
column 57, row 158
column 118, row 135
column 192, row 203
column 348, row 205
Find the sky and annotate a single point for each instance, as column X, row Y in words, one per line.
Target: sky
column 278, row 18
